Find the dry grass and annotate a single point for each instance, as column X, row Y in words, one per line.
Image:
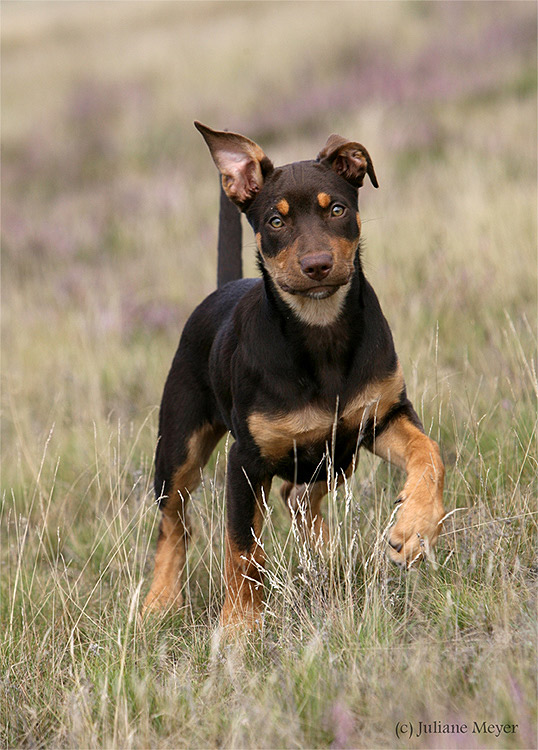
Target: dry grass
column 108, row 235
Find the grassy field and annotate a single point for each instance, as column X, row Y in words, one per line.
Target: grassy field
column 109, row 204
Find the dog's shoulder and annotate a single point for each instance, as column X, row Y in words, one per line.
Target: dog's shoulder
column 221, row 303
column 216, row 311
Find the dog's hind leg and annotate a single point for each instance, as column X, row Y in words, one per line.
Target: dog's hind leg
column 177, row 483
column 304, row 504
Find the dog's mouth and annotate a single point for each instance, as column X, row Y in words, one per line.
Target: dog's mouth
column 320, row 291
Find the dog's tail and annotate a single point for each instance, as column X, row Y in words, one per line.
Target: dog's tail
column 229, row 264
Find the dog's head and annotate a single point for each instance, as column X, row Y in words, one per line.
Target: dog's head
column 304, row 215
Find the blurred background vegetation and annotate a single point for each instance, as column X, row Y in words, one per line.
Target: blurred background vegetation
column 109, row 220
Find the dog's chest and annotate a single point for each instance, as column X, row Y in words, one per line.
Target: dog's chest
column 309, row 429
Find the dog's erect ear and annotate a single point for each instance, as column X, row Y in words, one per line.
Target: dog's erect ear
column 348, row 159
column 241, row 162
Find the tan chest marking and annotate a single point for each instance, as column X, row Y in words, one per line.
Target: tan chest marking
column 374, row 401
column 276, row 435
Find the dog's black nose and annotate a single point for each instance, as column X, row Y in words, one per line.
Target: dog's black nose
column 317, row 266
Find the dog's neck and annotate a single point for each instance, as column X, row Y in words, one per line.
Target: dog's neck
column 327, row 330
column 318, row 313
column 321, row 343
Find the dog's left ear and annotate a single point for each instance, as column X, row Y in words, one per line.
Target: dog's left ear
column 348, row 159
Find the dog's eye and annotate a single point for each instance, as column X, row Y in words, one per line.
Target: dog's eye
column 276, row 222
column 337, row 210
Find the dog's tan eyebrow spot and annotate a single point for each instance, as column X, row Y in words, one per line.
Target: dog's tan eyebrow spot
column 324, row 199
column 283, row 206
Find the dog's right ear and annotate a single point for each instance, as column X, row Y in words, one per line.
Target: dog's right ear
column 241, row 162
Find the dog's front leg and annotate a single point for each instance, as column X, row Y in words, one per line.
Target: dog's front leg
column 244, row 555
column 421, row 500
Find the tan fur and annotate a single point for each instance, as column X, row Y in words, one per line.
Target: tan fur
column 417, row 526
column 276, row 434
column 170, row 557
column 344, row 251
column 284, row 263
column 324, row 200
column 243, row 603
column 374, row 401
column 283, row 206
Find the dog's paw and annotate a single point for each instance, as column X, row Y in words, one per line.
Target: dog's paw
column 161, row 602
column 415, row 532
column 237, row 620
